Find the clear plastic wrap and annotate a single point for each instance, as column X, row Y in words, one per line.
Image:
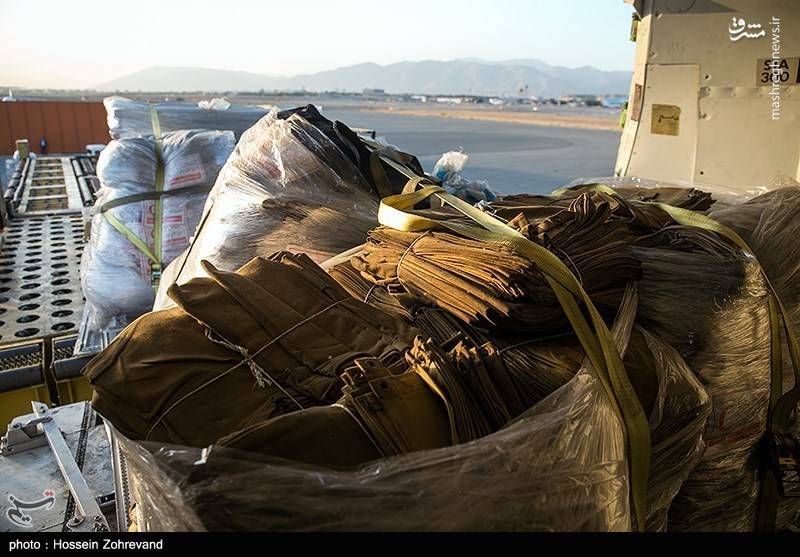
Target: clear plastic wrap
column 214, row 104
column 769, row 224
column 715, row 311
column 720, row 192
column 115, row 274
column 287, row 186
column 560, row 466
column 129, row 118
column 449, row 170
column 719, row 322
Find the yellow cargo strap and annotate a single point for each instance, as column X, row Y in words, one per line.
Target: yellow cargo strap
column 144, row 196
column 591, row 187
column 155, row 268
column 781, row 405
column 596, row 339
column 154, row 255
column 130, row 236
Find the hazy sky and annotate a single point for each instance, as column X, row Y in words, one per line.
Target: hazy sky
column 72, row 43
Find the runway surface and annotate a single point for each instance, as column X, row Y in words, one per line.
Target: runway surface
column 514, row 158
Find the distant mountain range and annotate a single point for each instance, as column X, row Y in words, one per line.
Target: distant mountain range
column 428, row 77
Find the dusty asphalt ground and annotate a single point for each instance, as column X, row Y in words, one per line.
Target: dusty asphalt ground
column 513, row 157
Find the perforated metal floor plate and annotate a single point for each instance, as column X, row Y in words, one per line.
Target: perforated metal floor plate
column 51, row 187
column 40, row 291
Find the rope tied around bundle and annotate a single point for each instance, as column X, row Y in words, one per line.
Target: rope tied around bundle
column 263, row 379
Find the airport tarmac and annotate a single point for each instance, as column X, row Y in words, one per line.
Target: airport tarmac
column 514, row 158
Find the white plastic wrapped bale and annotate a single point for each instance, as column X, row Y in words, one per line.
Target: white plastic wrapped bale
column 116, row 275
column 129, row 118
column 287, row 186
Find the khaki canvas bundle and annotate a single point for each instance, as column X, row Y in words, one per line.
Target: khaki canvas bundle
column 559, row 465
column 240, row 347
column 601, row 359
column 500, row 288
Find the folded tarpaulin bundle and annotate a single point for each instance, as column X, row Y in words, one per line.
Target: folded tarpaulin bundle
column 731, row 355
column 638, row 210
column 722, row 328
column 543, row 362
column 715, row 312
column 722, row 325
column 475, row 383
column 296, row 181
column 383, row 412
column 538, row 364
column 148, row 207
column 495, row 287
column 560, row 465
column 240, row 347
column 444, row 396
column 130, row 118
column 685, row 198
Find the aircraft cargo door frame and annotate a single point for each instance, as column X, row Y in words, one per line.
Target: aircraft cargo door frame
column 666, row 144
column 702, row 108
